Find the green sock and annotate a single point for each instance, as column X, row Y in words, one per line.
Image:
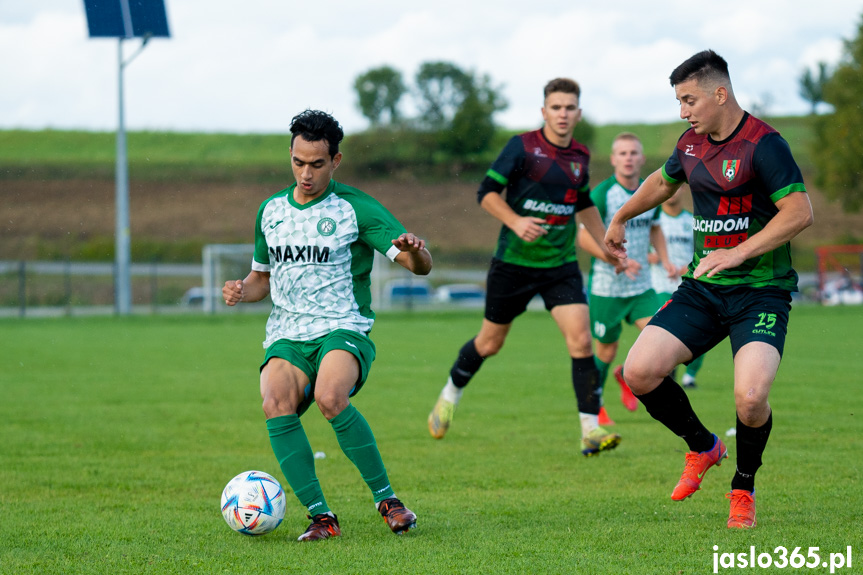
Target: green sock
column 603, row 370
column 357, row 441
column 294, row 453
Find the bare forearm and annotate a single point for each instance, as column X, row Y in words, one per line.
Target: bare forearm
column 794, row 216
column 495, row 205
column 256, row 286
column 419, row 262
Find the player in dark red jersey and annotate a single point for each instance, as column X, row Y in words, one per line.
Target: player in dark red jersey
column 749, row 202
column 545, row 174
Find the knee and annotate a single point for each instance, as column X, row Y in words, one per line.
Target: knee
column 640, row 377
column 579, row 344
column 330, row 402
column 752, row 408
column 488, row 346
column 274, row 406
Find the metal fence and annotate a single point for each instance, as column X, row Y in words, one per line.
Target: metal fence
column 41, row 288
column 47, row 288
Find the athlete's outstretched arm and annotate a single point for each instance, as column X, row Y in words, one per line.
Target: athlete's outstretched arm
column 652, row 192
column 525, row 227
column 794, row 216
column 414, row 257
column 254, row 288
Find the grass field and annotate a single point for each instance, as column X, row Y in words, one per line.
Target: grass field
column 118, row 436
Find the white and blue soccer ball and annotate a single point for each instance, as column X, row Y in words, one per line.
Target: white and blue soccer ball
column 253, row 503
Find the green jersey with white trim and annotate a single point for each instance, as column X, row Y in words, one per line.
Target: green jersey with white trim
column 608, row 197
column 319, row 256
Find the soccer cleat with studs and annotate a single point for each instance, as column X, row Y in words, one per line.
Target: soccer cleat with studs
column 742, row 514
column 697, row 465
column 323, row 526
column 440, row 417
column 399, row 518
column 597, row 441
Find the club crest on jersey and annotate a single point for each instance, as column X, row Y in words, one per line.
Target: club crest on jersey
column 327, row 226
column 576, row 168
column 730, row 168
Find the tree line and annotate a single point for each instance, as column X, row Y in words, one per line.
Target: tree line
column 837, row 150
column 455, row 108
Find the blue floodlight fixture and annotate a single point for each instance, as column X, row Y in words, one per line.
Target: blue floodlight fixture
column 124, row 20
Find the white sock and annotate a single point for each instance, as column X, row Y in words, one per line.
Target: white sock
column 589, row 422
column 451, row 393
column 688, row 379
column 378, row 503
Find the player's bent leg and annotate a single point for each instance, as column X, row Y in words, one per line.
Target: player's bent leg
column 488, row 342
column 282, row 389
column 573, row 320
column 651, row 358
column 755, row 367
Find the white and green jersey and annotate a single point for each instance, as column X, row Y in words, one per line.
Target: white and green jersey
column 678, row 241
column 319, row 256
column 608, row 197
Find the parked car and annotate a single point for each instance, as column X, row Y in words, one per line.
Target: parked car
column 461, row 294
column 408, row 291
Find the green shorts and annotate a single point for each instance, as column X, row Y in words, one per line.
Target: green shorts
column 307, row 355
column 607, row 314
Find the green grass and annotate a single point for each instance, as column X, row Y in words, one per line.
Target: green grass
column 213, row 156
column 118, row 436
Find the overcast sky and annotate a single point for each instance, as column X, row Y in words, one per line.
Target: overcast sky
column 250, row 66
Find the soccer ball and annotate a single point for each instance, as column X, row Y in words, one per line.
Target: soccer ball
column 253, row 503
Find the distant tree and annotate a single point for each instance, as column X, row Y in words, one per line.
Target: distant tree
column 812, row 86
column 379, row 91
column 761, row 106
column 838, row 143
column 584, row 132
column 441, row 87
column 472, row 127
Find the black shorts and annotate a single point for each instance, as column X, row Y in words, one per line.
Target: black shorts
column 510, row 288
column 701, row 315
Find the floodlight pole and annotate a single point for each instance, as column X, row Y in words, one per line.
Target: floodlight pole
column 123, row 245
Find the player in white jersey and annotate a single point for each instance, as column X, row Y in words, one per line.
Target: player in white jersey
column 676, row 224
column 314, row 246
column 620, row 290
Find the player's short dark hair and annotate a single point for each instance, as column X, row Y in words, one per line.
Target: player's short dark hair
column 706, row 65
column 565, row 85
column 314, row 126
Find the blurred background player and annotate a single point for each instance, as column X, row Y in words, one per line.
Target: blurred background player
column 620, row 290
column 749, row 202
column 314, row 248
column 676, row 224
column 545, row 175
